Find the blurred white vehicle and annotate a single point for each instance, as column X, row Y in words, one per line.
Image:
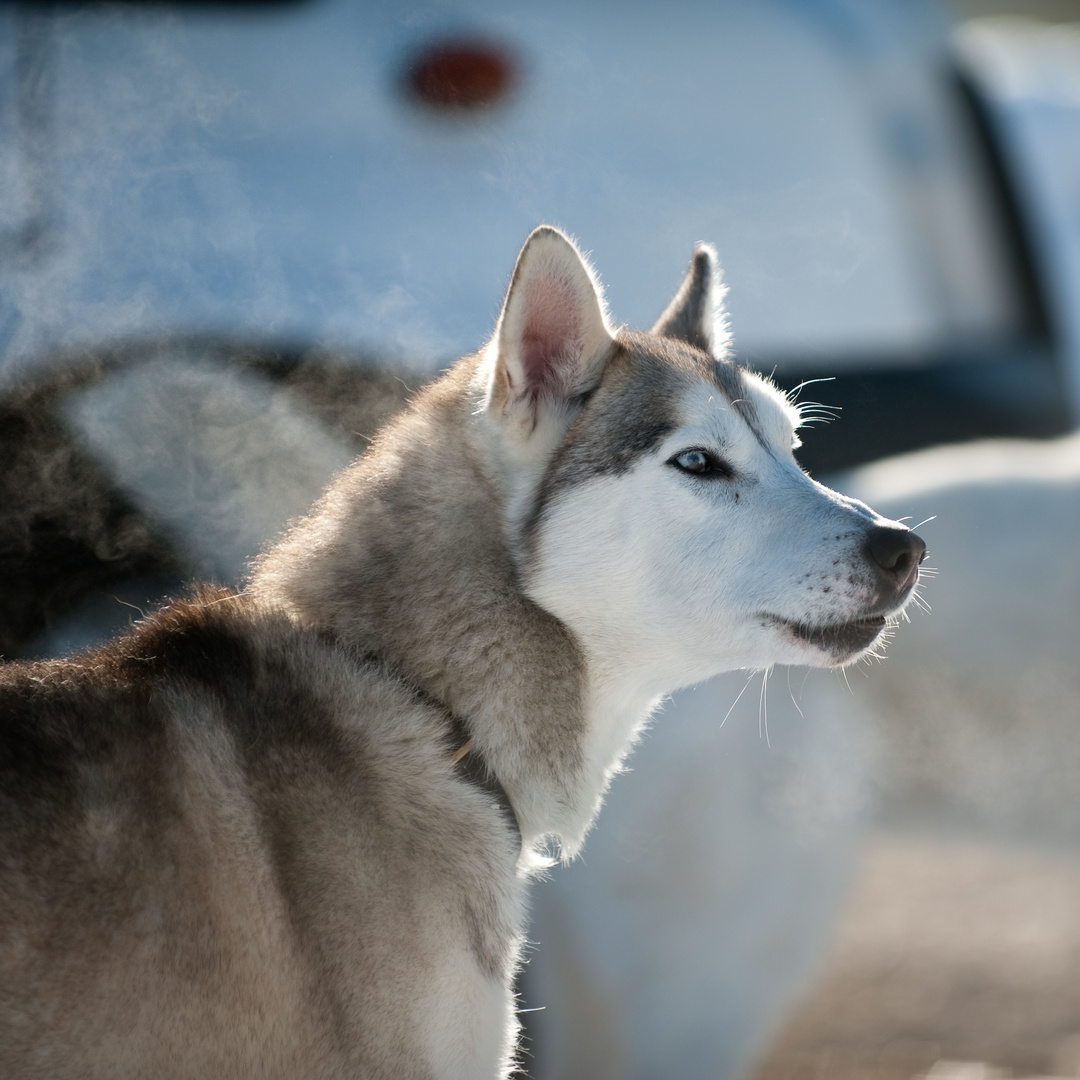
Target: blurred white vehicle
column 184, row 185
column 976, row 709
column 281, row 171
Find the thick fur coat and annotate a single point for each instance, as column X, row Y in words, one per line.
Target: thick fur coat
column 285, row 832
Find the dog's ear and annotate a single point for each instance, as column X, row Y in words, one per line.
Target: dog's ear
column 552, row 340
column 697, row 315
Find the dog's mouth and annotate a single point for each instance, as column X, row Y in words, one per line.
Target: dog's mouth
column 839, row 639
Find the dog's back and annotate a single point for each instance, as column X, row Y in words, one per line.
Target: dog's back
column 202, row 829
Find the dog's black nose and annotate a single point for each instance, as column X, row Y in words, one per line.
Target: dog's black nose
column 896, row 553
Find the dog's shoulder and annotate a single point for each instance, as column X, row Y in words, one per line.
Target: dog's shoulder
column 213, row 676
column 208, row 801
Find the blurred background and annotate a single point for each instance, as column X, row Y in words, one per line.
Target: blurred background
column 234, row 235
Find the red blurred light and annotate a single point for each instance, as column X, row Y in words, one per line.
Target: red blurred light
column 461, row 75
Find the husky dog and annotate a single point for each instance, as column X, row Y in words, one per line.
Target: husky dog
column 285, row 832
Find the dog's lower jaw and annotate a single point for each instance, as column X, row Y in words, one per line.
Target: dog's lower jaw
column 841, row 642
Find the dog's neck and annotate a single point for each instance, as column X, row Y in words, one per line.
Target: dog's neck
column 406, row 557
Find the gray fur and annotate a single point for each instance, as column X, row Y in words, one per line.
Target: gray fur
column 629, row 414
column 413, row 563
column 202, row 826
column 236, row 842
column 695, row 314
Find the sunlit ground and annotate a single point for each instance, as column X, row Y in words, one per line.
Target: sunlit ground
column 952, row 958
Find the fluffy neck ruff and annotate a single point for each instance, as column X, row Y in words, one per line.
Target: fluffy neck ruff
column 407, row 557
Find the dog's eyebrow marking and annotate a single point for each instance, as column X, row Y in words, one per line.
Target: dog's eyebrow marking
column 612, row 440
column 731, row 380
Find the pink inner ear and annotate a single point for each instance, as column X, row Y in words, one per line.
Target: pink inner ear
column 550, row 336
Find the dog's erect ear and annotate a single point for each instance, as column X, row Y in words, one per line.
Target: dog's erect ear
column 552, row 340
column 696, row 315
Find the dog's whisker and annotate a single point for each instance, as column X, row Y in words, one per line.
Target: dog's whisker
column 791, row 693
column 813, row 412
column 736, row 701
column 793, row 393
column 763, row 707
column 921, row 603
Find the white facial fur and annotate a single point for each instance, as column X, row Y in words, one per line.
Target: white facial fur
column 670, row 578
column 664, row 578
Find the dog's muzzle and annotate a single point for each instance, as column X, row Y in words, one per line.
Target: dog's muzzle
column 893, row 554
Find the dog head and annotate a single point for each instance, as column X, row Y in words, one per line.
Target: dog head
column 654, row 502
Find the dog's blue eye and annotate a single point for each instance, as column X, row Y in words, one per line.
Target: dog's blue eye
column 695, row 461
column 701, row 463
